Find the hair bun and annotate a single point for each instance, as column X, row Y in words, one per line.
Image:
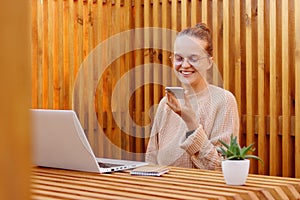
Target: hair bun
column 203, row 26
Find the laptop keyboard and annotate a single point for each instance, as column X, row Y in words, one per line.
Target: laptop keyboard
column 108, row 165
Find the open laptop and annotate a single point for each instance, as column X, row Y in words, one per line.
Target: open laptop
column 60, row 142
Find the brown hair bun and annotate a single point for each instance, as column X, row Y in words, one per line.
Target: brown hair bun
column 203, row 27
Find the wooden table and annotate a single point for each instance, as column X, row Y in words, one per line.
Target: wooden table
column 179, row 183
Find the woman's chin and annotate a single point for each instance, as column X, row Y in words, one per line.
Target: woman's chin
column 186, row 80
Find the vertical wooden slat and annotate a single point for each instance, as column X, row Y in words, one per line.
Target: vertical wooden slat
column 50, row 47
column 77, row 31
column 95, row 40
column 274, row 143
column 175, row 24
column 87, row 27
column 148, row 70
column 166, row 42
column 157, row 73
column 92, row 69
column 249, row 77
column 74, row 14
column 89, row 90
column 184, row 14
column 15, row 137
column 117, row 67
column 262, row 136
column 108, row 82
column 102, row 58
column 56, row 55
column 127, row 67
column 40, row 55
column 138, row 55
column 194, row 12
column 97, row 6
column 231, row 59
column 84, row 87
column 226, row 25
column 204, row 11
column 59, row 82
column 45, row 59
column 237, row 56
column 78, row 22
column 71, row 53
column 215, row 37
column 123, row 70
column 34, row 53
column 78, row 55
column 66, row 59
column 286, row 94
column 156, row 43
column 297, row 89
column 174, row 17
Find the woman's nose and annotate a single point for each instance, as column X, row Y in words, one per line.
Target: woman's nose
column 185, row 63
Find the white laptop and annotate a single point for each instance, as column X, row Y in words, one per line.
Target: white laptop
column 60, row 142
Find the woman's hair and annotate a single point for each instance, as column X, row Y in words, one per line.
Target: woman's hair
column 202, row 32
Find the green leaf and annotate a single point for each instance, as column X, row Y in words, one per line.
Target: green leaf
column 245, row 150
column 234, row 151
column 238, row 149
column 222, row 151
column 254, row 157
column 224, row 144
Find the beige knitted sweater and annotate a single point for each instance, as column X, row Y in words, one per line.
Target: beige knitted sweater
column 217, row 114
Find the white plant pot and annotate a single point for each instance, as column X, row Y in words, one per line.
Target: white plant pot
column 235, row 172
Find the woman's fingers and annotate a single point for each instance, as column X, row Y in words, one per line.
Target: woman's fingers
column 173, row 103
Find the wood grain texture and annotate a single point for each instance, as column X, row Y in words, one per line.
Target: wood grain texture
column 256, row 52
column 179, row 183
column 297, row 88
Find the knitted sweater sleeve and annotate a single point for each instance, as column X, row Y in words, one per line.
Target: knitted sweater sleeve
column 153, row 144
column 152, row 148
column 202, row 146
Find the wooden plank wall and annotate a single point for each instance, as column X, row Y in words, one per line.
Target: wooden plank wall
column 77, row 65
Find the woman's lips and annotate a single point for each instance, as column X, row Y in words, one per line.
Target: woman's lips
column 186, row 73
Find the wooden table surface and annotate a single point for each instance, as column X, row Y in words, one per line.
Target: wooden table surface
column 179, row 183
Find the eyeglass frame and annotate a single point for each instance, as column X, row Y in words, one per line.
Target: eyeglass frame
column 188, row 59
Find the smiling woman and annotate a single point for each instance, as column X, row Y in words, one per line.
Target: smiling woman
column 188, row 137
column 196, row 57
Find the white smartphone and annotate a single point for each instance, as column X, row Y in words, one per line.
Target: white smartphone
column 177, row 91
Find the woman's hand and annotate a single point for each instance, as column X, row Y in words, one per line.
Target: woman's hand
column 184, row 109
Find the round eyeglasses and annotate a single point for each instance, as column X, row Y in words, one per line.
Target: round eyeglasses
column 194, row 60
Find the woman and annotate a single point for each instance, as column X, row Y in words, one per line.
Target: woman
column 186, row 134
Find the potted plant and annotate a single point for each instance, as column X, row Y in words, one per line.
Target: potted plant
column 235, row 166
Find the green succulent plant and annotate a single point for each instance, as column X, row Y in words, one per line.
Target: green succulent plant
column 233, row 150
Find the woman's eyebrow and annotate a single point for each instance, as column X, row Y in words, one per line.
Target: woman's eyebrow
column 177, row 54
column 199, row 55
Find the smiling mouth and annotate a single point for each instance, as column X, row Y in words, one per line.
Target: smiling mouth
column 186, row 72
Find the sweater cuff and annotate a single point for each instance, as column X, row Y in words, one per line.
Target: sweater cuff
column 195, row 142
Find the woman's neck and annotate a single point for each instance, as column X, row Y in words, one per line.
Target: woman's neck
column 197, row 87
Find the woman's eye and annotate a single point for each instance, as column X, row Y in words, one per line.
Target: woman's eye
column 178, row 58
column 194, row 59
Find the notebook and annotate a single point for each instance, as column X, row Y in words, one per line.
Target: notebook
column 150, row 170
column 59, row 141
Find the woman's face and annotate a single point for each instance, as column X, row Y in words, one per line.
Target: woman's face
column 190, row 60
